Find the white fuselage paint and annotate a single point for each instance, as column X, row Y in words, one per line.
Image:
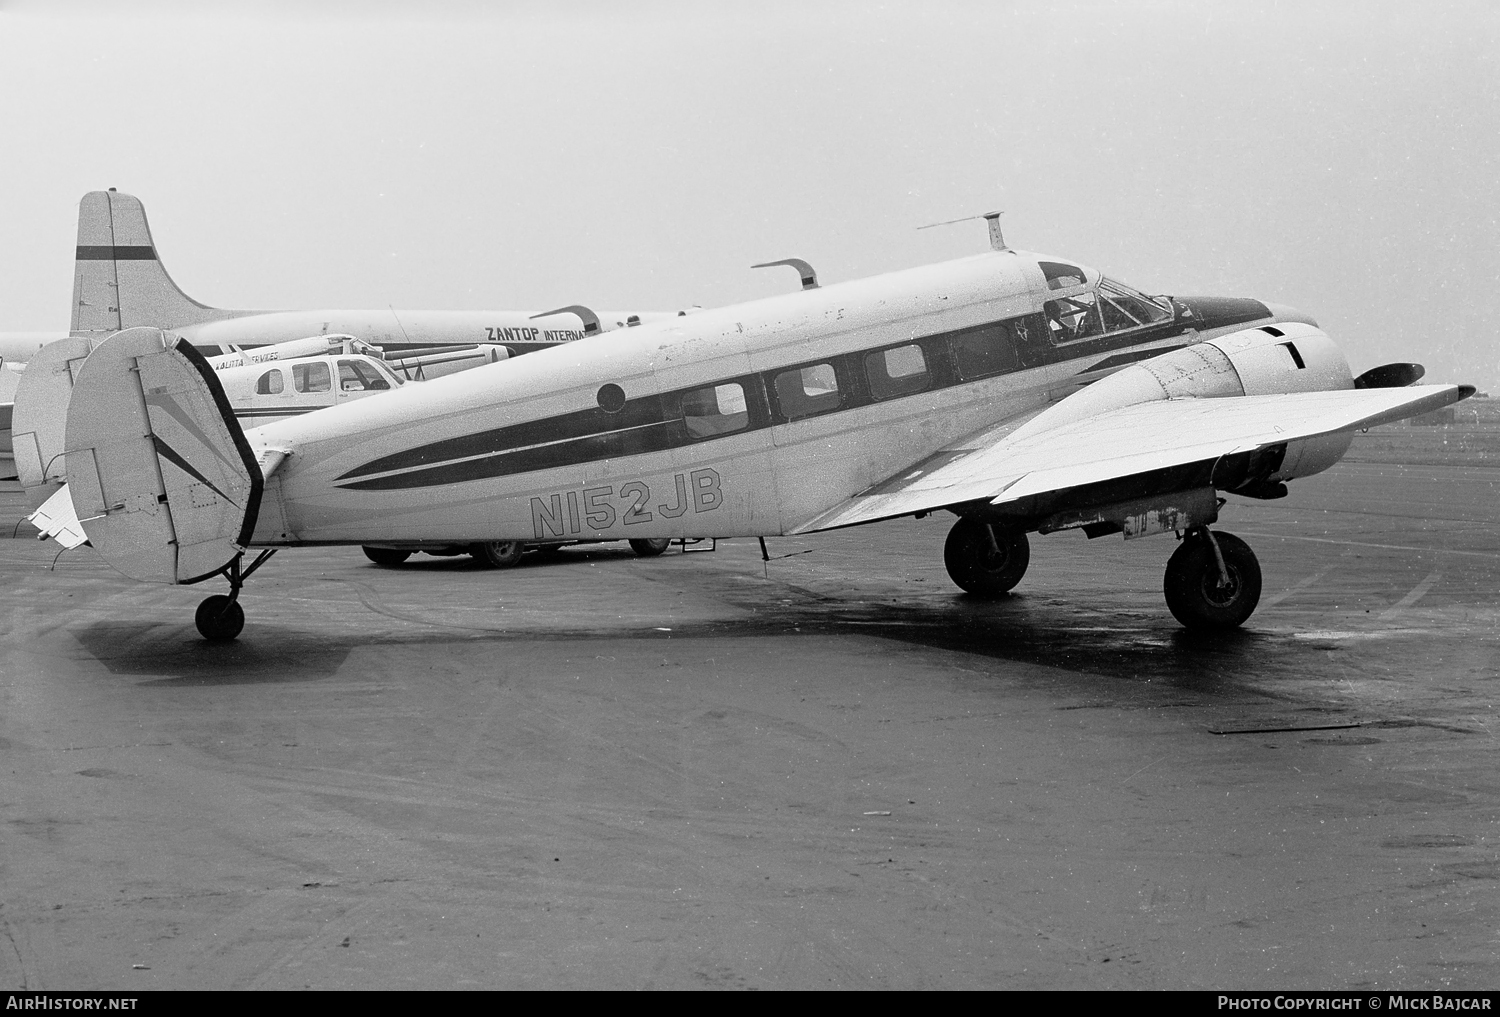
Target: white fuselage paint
column 757, row 482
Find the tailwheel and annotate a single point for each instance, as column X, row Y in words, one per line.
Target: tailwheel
column 985, row 559
column 650, row 547
column 497, row 554
column 1212, row 581
column 385, row 555
column 220, row 618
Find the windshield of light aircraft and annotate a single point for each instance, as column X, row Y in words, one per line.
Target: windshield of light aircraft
column 1113, row 307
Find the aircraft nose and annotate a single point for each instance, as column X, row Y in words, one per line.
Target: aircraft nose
column 1223, row 312
column 1285, row 312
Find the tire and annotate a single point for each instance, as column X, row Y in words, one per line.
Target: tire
column 976, row 565
column 385, row 555
column 219, row 619
column 498, row 554
column 1193, row 586
column 650, row 547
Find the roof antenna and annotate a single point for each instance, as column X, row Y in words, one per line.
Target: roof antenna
column 997, row 241
column 808, row 273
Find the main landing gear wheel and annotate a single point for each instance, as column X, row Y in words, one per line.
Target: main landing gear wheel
column 985, row 559
column 220, row 618
column 1208, row 591
column 498, row 554
column 650, row 547
column 385, row 555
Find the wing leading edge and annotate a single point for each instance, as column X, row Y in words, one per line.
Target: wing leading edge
column 1125, row 442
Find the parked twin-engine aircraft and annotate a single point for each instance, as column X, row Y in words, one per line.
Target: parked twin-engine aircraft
column 958, row 386
column 119, row 282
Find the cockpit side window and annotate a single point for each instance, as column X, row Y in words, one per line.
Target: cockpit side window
column 1073, row 318
column 358, row 376
column 1061, row 275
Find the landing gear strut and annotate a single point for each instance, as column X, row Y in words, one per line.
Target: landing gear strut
column 220, row 618
column 985, row 559
column 1212, row 581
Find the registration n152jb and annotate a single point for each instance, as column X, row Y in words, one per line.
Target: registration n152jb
column 1021, row 392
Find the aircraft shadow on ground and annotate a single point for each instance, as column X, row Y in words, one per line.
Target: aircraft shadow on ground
column 176, row 655
column 1019, row 628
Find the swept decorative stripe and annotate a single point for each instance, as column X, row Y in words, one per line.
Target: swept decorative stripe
column 170, row 454
column 655, row 423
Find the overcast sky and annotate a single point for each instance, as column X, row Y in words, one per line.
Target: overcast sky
column 1340, row 157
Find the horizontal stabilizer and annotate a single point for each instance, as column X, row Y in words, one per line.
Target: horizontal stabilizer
column 57, row 519
column 1126, row 442
column 163, row 481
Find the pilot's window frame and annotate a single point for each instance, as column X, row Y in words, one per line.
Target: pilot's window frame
column 708, row 412
column 887, row 385
column 270, row 383
column 313, row 373
column 795, row 402
column 973, row 368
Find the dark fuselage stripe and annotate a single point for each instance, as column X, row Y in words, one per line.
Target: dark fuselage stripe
column 107, row 253
column 655, row 423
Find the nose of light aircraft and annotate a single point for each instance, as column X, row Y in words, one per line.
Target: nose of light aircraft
column 1222, row 312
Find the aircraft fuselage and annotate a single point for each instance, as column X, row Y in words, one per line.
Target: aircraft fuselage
column 744, row 420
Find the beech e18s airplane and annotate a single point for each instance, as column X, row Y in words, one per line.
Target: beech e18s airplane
column 1020, row 392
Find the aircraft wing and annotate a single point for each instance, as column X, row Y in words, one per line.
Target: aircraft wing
column 1124, row 442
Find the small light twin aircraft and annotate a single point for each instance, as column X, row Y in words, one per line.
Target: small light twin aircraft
column 1022, row 393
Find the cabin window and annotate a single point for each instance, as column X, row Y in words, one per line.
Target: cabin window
column 269, row 383
column 312, row 377
column 985, row 351
column 357, row 376
column 715, row 410
column 806, row 391
column 897, row 372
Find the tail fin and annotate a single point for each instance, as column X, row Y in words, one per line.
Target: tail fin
column 41, row 415
column 118, row 281
column 163, row 481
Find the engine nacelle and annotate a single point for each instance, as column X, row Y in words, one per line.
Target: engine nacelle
column 1267, row 360
column 1271, row 359
column 1291, row 357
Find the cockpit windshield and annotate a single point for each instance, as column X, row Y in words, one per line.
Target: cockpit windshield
column 1113, row 307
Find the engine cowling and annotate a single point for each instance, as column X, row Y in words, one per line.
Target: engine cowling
column 1266, row 360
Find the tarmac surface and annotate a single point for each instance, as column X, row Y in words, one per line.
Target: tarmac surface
column 828, row 770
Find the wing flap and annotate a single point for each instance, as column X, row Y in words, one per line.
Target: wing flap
column 1132, row 440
